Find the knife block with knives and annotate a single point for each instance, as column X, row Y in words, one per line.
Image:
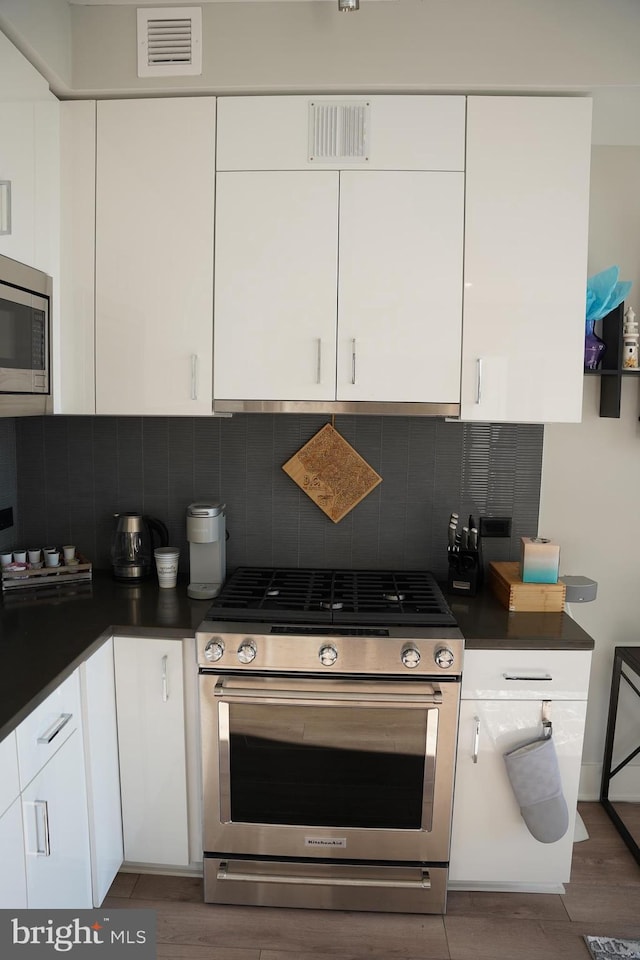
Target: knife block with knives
column 464, row 554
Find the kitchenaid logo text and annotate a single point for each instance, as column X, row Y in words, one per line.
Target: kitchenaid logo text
column 40, row 933
column 325, row 841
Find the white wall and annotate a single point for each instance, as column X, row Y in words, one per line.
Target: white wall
column 404, row 45
column 590, row 492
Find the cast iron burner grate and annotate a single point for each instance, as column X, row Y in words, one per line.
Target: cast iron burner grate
column 332, row 596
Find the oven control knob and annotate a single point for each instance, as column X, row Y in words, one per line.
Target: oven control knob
column 328, row 654
column 410, row 656
column 214, row 649
column 247, row 651
column 444, row 657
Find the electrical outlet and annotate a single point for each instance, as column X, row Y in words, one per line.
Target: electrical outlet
column 6, row 518
column 495, row 527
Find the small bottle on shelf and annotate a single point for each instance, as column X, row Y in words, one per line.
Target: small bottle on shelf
column 630, row 338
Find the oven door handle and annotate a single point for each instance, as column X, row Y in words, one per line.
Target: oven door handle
column 424, row 883
column 325, row 697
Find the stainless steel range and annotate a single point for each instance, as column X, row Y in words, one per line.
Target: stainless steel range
column 329, row 707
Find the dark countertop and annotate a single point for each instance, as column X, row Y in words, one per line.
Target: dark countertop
column 486, row 625
column 44, row 638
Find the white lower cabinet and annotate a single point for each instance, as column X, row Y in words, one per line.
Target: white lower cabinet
column 45, row 850
column 491, row 847
column 56, row 831
column 151, row 735
column 13, row 881
column 97, row 682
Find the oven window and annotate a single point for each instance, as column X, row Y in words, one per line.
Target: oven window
column 21, row 336
column 327, row 766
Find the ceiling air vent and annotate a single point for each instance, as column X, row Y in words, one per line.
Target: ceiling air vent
column 169, row 41
column 339, row 131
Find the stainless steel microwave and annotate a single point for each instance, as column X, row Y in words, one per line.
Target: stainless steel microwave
column 25, row 315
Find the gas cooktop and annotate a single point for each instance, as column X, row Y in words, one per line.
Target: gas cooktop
column 295, row 595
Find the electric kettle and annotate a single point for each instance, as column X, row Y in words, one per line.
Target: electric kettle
column 133, row 543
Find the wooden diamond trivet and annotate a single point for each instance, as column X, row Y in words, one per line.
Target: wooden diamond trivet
column 331, row 473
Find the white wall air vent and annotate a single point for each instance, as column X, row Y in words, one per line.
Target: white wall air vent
column 169, row 41
column 339, row 131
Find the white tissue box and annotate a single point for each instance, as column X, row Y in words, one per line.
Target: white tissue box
column 540, row 560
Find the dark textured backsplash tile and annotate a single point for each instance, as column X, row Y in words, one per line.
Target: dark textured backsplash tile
column 67, row 476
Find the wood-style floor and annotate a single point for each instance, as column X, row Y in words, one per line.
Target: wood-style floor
column 603, row 899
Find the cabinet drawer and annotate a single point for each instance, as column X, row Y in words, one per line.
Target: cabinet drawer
column 526, row 675
column 9, row 781
column 47, row 728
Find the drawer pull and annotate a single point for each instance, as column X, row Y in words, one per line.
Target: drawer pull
column 37, row 842
column 476, row 740
column 55, row 728
column 165, row 679
column 530, row 676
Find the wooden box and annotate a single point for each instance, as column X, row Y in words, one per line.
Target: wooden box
column 519, row 597
column 47, row 576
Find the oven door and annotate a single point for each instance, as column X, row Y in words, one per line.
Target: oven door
column 316, row 768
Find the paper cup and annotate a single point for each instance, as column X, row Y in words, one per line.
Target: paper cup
column 167, row 565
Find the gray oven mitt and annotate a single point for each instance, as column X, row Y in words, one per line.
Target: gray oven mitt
column 534, row 773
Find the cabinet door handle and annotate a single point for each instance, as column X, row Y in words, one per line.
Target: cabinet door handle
column 476, row 739
column 194, row 376
column 55, row 728
column 478, row 379
column 41, row 812
column 319, row 361
column 353, row 361
column 165, row 679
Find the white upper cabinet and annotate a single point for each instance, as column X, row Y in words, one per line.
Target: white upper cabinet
column 525, row 265
column 154, row 255
column 29, row 163
column 76, row 338
column 368, row 133
column 339, row 233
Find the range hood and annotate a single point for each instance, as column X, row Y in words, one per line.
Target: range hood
column 336, row 407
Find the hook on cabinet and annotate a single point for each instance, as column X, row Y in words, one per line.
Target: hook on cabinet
column 547, row 726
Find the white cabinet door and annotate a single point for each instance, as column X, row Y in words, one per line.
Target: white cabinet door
column 490, row 843
column 9, row 778
column 17, row 165
column 56, row 831
column 526, row 230
column 76, row 335
column 284, row 323
column 154, row 256
column 97, row 682
column 151, row 736
column 400, row 286
column 276, row 278
column 13, row 882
